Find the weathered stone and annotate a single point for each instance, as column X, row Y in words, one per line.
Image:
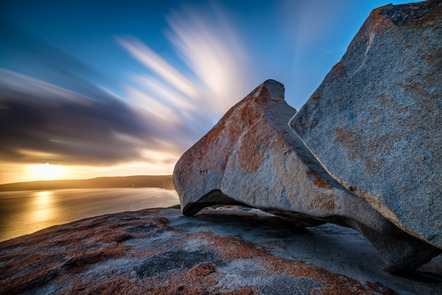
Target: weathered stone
column 223, row 251
column 375, row 121
column 251, row 157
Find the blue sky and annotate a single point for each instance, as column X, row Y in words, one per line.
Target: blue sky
column 124, row 87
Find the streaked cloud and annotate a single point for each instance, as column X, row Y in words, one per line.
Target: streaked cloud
column 155, row 62
column 43, row 122
column 214, row 52
column 214, row 56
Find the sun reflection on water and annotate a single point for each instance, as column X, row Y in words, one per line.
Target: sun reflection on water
column 43, row 208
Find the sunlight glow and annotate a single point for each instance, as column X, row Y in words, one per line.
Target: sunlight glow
column 47, row 171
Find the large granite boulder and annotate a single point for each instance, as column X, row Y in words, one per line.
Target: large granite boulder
column 252, row 157
column 375, row 121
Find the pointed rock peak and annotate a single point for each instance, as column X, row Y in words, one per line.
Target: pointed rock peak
column 269, row 89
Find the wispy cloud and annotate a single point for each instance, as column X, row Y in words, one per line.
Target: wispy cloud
column 156, row 63
column 213, row 54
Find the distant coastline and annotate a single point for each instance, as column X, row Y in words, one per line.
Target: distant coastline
column 160, row 181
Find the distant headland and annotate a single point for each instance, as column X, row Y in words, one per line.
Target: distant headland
column 161, row 181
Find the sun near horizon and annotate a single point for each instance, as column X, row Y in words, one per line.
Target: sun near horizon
column 47, row 171
column 50, row 171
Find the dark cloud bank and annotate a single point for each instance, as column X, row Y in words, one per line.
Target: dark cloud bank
column 78, row 130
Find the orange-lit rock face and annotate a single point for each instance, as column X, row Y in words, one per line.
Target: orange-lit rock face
column 249, row 152
column 251, row 157
column 375, row 121
column 159, row 251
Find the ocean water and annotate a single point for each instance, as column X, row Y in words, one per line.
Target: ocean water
column 24, row 212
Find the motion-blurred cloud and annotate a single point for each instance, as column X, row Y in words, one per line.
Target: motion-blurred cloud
column 216, row 60
column 40, row 117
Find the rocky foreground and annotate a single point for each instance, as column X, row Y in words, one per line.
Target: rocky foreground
column 228, row 250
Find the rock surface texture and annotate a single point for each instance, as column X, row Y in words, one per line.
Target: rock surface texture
column 252, row 157
column 223, row 251
column 375, row 121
